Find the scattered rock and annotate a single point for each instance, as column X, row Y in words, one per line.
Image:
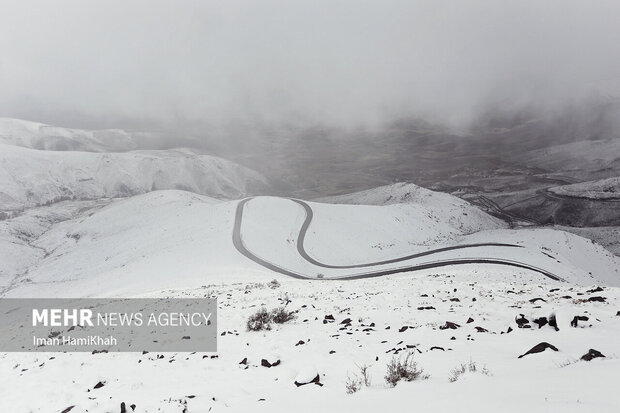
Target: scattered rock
column 553, row 322
column 426, row 308
column 592, row 354
column 533, row 300
column 346, row 321
column 123, row 408
column 266, row 363
column 307, row 376
column 68, row 409
column 541, row 321
column 99, row 385
column 449, row 325
column 300, row 342
column 522, row 322
column 437, row 348
column 539, row 348
column 403, row 328
column 332, row 351
column 470, row 320
column 598, row 299
column 594, row 290
column 577, row 319
column 481, row 330
column 244, row 361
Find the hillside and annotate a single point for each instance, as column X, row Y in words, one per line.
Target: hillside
column 602, row 189
column 166, row 239
column 37, row 135
column 30, row 177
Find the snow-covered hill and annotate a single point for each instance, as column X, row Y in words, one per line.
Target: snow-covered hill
column 36, row 135
column 30, row 177
column 591, row 159
column 602, row 189
column 439, row 207
column 167, row 239
column 176, row 243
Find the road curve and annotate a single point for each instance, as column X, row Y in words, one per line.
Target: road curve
column 240, row 246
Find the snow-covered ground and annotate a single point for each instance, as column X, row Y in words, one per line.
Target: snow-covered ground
column 602, row 189
column 37, row 135
column 389, row 318
column 30, row 177
column 177, row 243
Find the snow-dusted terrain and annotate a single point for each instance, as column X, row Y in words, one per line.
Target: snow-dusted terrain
column 37, row 135
column 602, row 189
column 86, row 242
column 30, row 177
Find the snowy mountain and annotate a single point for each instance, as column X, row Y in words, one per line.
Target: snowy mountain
column 36, row 135
column 167, row 239
column 602, row 189
column 30, row 177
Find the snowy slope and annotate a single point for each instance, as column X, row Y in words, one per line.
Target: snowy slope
column 30, row 177
column 442, row 208
column 179, row 244
column 36, row 135
column 389, row 319
column 601, row 189
column 167, row 239
column 581, row 159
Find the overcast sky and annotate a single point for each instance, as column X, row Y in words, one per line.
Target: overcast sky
column 346, row 63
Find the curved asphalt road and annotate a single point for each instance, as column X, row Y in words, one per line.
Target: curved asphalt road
column 240, row 246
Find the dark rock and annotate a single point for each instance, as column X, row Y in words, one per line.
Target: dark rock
column 68, row 409
column 316, row 380
column 123, row 408
column 577, row 319
column 449, row 325
column 553, row 322
column 300, row 342
column 509, row 330
column 539, row 348
column 426, row 308
column 533, row 300
column 402, row 329
column 346, row 321
column 99, row 385
column 267, row 364
column 437, row 348
column 481, row 330
column 568, row 297
column 595, row 290
column 456, row 300
column 133, row 407
column 244, row 361
column 542, row 321
column 470, row 320
column 332, row 351
column 618, row 314
column 521, row 322
column 592, row 354
column 598, row 299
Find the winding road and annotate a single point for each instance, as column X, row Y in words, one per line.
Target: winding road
column 240, row 246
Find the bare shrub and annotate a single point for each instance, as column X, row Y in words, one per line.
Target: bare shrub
column 260, row 320
column 280, row 315
column 273, row 284
column 471, row 367
column 407, row 369
column 353, row 385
